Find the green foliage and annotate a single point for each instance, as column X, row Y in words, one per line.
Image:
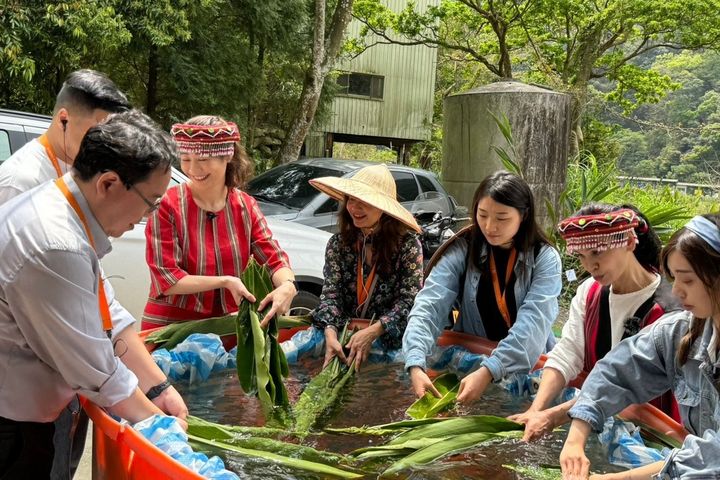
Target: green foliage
column 429, row 405
column 508, row 159
column 323, row 390
column 421, row 443
column 536, row 472
column 282, row 459
column 261, row 363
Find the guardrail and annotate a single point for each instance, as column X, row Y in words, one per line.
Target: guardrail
column 684, row 187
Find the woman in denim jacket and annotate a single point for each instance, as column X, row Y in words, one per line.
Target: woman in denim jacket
column 504, row 277
column 679, row 351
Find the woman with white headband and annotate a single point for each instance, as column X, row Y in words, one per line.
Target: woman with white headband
column 678, row 352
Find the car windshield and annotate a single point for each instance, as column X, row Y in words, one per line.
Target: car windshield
column 288, row 185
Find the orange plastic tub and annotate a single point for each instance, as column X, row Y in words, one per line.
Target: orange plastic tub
column 120, row 453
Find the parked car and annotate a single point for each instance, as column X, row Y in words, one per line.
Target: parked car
column 126, row 267
column 18, row 128
column 284, row 191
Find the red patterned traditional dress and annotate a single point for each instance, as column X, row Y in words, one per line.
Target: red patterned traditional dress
column 183, row 239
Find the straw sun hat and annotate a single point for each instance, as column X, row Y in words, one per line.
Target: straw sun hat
column 373, row 185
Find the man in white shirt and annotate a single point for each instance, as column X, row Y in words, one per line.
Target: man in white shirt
column 56, row 335
column 86, row 98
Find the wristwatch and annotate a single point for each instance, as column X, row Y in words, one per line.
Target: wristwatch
column 155, row 391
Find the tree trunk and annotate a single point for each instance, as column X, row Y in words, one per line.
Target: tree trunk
column 325, row 53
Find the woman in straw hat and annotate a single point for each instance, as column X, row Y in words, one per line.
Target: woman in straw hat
column 373, row 266
column 620, row 250
column 680, row 351
column 202, row 235
column 504, row 276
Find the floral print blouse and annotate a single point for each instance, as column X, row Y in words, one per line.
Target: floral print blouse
column 391, row 299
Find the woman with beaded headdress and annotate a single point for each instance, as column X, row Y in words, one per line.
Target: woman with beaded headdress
column 620, row 250
column 680, row 351
column 203, row 233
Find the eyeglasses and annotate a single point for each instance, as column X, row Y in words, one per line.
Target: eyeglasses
column 152, row 206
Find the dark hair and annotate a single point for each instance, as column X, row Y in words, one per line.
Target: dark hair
column 88, row 90
column 511, row 190
column 388, row 236
column 647, row 250
column 128, row 143
column 705, row 262
column 240, row 167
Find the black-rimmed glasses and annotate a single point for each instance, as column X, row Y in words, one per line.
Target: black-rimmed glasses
column 152, row 206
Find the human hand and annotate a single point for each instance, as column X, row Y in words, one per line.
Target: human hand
column 537, row 423
column 361, row 342
column 473, row 386
column 281, row 299
column 573, row 462
column 171, row 403
column 237, row 289
column 421, row 383
column 332, row 347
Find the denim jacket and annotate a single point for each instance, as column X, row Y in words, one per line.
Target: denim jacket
column 537, row 289
column 644, row 366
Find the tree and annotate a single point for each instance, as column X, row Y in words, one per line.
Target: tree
column 325, row 51
column 565, row 44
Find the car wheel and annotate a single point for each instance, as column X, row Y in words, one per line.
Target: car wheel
column 303, row 303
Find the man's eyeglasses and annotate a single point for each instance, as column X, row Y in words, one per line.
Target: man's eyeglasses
column 152, row 206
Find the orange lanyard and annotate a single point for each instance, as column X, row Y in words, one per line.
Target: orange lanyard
column 51, row 154
column 500, row 297
column 363, row 287
column 102, row 298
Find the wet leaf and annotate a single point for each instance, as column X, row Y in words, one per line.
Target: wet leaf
column 429, row 405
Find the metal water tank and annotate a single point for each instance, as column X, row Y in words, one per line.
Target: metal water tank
column 540, row 122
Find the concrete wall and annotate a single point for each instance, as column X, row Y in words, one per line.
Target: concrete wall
column 540, row 121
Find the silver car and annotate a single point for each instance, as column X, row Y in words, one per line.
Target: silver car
column 284, row 192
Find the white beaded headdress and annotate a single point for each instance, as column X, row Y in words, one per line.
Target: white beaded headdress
column 206, row 140
column 601, row 231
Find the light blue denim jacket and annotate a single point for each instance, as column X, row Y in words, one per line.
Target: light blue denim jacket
column 537, row 289
column 644, row 366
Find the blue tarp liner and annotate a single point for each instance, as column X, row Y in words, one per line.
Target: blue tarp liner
column 195, row 358
column 201, row 354
column 167, row 434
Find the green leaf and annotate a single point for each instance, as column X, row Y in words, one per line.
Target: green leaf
column 537, row 472
column 170, row 336
column 446, row 446
column 458, row 425
column 323, row 390
column 298, row 463
column 429, row 405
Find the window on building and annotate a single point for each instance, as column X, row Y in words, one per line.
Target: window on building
column 361, row 84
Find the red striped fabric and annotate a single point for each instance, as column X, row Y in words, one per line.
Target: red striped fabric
column 182, row 240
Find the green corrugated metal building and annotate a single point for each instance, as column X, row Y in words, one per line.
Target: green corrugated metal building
column 386, row 95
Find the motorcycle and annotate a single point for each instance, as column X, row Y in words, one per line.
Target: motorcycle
column 437, row 228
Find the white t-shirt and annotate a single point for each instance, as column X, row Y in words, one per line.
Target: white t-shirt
column 26, row 169
column 568, row 356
